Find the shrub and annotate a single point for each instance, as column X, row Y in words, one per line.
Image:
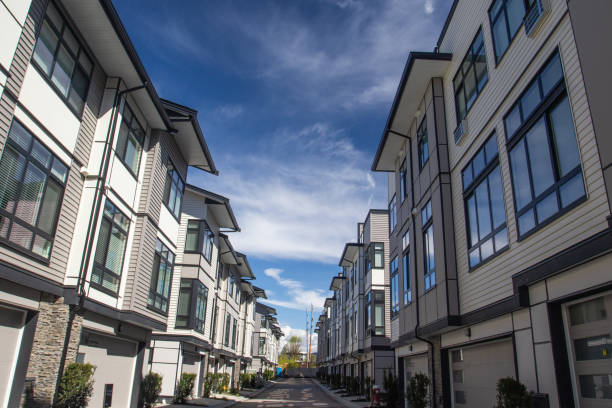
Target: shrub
column 223, row 383
column 368, row 387
column 268, row 375
column 391, row 396
column 208, row 385
column 512, row 394
column 185, row 387
column 417, row 391
column 235, row 391
column 76, row 386
column 151, row 388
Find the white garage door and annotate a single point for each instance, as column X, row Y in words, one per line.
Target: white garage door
column 115, row 362
column 475, row 370
column 11, row 327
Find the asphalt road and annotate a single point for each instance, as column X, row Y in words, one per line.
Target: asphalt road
column 292, row 392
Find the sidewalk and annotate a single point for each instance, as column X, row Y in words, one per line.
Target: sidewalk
column 222, row 400
column 345, row 401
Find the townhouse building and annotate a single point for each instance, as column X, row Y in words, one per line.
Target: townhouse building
column 498, row 161
column 106, row 255
column 265, row 340
column 354, row 328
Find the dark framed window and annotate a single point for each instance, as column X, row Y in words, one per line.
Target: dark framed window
column 392, row 213
column 506, row 17
column 61, row 57
column 376, row 255
column 423, row 143
column 429, row 275
column 200, row 238
column 230, row 287
column 471, row 77
column 32, row 183
column 406, row 268
column 394, row 286
column 228, row 327
column 191, row 311
column 484, row 203
column 262, row 346
column 110, row 250
column 234, row 333
column 403, row 180
column 375, row 307
column 173, row 190
column 130, row 140
column 213, row 328
column 544, row 158
column 161, row 278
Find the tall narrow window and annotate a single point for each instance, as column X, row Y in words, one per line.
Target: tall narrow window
column 428, row 247
column 161, row 278
column 394, row 287
column 423, row 143
column 484, row 201
column 228, row 327
column 406, row 268
column 376, row 255
column 130, row 140
column 403, row 180
column 32, row 182
column 392, row 214
column 544, row 158
column 262, row 346
column 471, row 77
column 62, row 59
column 191, row 310
column 110, row 251
column 506, row 17
column 173, row 190
column 368, row 305
column 200, row 238
column 379, row 313
column 234, row 333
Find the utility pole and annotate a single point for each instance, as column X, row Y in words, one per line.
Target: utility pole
column 306, row 338
column 310, row 336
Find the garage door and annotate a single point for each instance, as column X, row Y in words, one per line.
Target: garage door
column 115, row 361
column 11, row 325
column 590, row 332
column 475, row 371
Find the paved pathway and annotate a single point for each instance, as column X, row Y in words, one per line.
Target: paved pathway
column 291, row 392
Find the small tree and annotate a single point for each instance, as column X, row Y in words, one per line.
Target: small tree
column 368, row 387
column 512, row 394
column 418, row 390
column 185, row 387
column 76, row 386
column 151, row 388
column 391, row 395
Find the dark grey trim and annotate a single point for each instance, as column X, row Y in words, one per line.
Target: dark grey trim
column 560, row 356
column 137, row 380
column 439, row 324
column 504, row 306
column 446, row 386
column 127, row 316
column 23, row 359
column 187, row 338
column 28, row 279
column 216, row 199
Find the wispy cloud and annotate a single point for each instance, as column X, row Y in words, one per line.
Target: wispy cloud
column 429, row 7
column 227, row 112
column 300, row 298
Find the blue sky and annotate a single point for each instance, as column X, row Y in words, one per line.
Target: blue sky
column 292, row 97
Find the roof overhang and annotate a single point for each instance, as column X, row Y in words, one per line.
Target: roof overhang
column 189, row 137
column 350, row 252
column 420, row 68
column 259, row 292
column 219, row 206
column 243, row 267
column 226, row 251
column 336, row 282
column 329, row 302
column 113, row 50
column 264, row 309
column 245, row 286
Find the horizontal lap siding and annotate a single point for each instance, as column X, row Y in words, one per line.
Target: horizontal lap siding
column 493, row 281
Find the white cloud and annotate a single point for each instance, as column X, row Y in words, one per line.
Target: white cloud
column 289, row 331
column 301, row 298
column 227, row 112
column 429, row 7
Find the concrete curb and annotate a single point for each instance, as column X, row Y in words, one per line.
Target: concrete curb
column 338, row 398
column 232, row 403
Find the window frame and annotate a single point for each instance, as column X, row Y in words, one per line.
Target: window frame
column 373, row 248
column 392, row 213
column 375, row 298
column 195, row 289
column 120, row 152
column 168, row 188
column 226, row 338
column 511, row 37
column 403, row 176
column 202, row 237
column 427, row 227
column 394, row 273
column 423, row 143
column 407, row 286
column 153, row 294
column 48, row 174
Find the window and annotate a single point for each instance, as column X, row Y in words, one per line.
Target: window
column 407, row 286
column 368, row 303
column 173, row 190
column 403, row 180
column 355, row 311
column 471, row 77
column 428, row 247
column 484, row 203
column 262, row 346
column 130, row 140
column 230, row 287
column 377, row 254
column 237, row 292
column 161, row 278
column 214, row 321
column 32, row 182
column 375, row 306
column 392, row 214
column 506, row 17
column 110, row 251
column 423, row 143
column 191, row 311
column 234, row 333
column 544, row 157
column 200, row 238
column 63, row 60
column 228, row 327
column 394, row 287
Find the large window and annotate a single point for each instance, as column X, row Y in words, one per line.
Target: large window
column 423, row 143
column 484, row 203
column 406, row 268
column 173, row 190
column 392, row 214
column 394, row 287
column 506, row 17
column 199, row 238
column 61, row 58
column 375, row 313
column 191, row 312
column 429, row 275
column 376, row 255
column 130, row 140
column 544, row 156
column 32, row 182
column 403, row 180
column 110, row 251
column 161, row 278
column 471, row 77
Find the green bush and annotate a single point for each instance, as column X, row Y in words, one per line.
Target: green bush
column 268, row 375
column 76, row 386
column 223, row 383
column 368, row 388
column 512, row 394
column 208, row 385
column 391, row 395
column 185, row 387
column 151, row 388
column 418, row 390
column 248, row 380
